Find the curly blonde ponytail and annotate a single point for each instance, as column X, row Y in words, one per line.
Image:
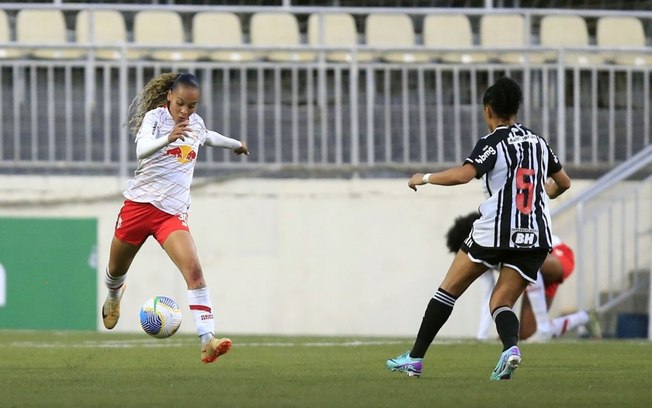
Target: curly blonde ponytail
column 152, row 96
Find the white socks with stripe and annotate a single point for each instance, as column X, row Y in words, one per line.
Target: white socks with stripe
column 114, row 283
column 563, row 324
column 486, row 322
column 536, row 293
column 202, row 310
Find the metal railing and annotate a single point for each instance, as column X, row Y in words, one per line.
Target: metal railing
column 58, row 115
column 612, row 225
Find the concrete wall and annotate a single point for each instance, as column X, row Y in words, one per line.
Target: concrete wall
column 317, row 257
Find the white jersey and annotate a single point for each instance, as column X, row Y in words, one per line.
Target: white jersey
column 513, row 163
column 163, row 179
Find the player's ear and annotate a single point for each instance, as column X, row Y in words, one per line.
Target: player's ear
column 489, row 113
column 169, row 96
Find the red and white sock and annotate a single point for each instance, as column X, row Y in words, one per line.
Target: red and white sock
column 114, row 283
column 563, row 324
column 202, row 310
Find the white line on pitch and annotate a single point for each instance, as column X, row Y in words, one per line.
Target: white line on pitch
column 153, row 344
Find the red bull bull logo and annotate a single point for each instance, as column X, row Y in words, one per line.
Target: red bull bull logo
column 184, row 154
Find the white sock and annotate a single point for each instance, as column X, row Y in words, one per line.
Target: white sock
column 202, row 310
column 562, row 324
column 486, row 321
column 113, row 283
column 536, row 293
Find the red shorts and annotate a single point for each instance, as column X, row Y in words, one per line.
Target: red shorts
column 137, row 221
column 567, row 260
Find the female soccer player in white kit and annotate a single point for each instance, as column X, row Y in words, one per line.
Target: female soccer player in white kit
column 168, row 136
column 514, row 228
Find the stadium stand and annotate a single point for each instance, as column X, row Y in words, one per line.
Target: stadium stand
column 5, row 36
column 425, row 83
column 577, row 4
column 338, row 30
column 567, row 31
column 44, row 27
column 450, row 31
column 103, row 27
column 220, row 29
column 438, row 32
column 506, row 31
column 394, row 31
column 278, row 29
column 160, row 27
column 623, row 32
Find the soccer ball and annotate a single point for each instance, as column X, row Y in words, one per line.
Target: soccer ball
column 160, row 317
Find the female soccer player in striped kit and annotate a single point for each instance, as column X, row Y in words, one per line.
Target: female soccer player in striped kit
column 512, row 233
column 168, row 136
column 535, row 325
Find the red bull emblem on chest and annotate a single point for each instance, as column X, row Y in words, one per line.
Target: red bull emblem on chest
column 184, row 154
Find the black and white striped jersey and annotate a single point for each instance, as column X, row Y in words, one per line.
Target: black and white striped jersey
column 514, row 164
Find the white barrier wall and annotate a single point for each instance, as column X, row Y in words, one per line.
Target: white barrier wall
column 314, row 257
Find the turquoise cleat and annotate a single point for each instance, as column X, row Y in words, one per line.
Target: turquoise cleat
column 406, row 364
column 509, row 361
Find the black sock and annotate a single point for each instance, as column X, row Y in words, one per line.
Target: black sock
column 438, row 310
column 506, row 326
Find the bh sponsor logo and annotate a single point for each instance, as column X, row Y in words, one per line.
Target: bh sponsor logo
column 524, row 237
column 486, row 152
column 183, row 154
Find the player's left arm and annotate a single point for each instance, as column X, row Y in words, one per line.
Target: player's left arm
column 450, row 177
column 558, row 181
column 218, row 140
column 557, row 184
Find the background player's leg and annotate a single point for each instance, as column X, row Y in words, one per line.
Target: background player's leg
column 537, row 315
column 563, row 324
column 488, row 281
column 527, row 326
column 552, row 270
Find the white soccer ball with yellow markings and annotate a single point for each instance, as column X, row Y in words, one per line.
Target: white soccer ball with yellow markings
column 160, row 317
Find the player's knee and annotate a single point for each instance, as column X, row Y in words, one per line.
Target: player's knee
column 193, row 273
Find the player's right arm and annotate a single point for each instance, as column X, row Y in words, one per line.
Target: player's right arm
column 481, row 160
column 451, row 177
column 147, row 140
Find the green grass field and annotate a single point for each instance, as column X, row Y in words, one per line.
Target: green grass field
column 57, row 369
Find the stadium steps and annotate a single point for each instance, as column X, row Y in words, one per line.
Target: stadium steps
column 636, row 304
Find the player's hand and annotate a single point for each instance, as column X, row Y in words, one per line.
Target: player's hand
column 242, row 149
column 179, row 132
column 416, row 180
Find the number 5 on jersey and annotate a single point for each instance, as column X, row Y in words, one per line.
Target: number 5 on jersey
column 525, row 188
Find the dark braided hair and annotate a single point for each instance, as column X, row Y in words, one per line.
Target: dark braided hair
column 460, row 230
